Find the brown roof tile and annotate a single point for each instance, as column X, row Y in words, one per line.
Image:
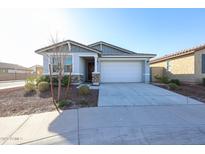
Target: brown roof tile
column 179, row 53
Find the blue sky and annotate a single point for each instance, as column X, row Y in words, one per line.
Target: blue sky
column 159, row 31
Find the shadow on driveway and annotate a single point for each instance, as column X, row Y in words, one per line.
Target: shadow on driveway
column 176, row 124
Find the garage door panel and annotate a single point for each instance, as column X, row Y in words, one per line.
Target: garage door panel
column 121, row 71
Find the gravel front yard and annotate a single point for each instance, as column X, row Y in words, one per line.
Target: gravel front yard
column 13, row 102
column 193, row 91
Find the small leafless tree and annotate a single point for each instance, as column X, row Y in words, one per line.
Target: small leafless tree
column 57, row 56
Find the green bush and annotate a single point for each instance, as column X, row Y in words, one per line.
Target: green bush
column 84, row 90
column 84, row 102
column 55, row 81
column 165, row 80
column 176, row 81
column 31, row 80
column 157, row 77
column 162, row 79
column 42, row 78
column 65, row 80
column 43, row 86
column 203, row 81
column 29, row 88
column 173, row 86
column 64, row 103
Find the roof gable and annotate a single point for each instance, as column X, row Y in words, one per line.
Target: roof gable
column 110, row 49
column 101, row 48
column 75, row 44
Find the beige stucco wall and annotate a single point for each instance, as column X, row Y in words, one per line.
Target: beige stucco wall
column 198, row 64
column 157, row 69
column 182, row 68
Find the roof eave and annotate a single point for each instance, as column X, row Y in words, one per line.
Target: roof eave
column 171, row 57
column 129, row 56
column 43, row 50
column 112, row 46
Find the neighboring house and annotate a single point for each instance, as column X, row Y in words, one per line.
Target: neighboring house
column 13, row 72
column 187, row 65
column 37, row 70
column 100, row 62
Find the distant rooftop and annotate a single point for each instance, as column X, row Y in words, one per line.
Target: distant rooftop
column 179, row 53
column 36, row 66
column 12, row 66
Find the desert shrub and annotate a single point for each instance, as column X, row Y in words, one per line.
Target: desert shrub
column 42, row 78
column 65, row 80
column 162, row 79
column 30, row 89
column 31, row 80
column 63, row 103
column 55, row 81
column 157, row 77
column 84, row 102
column 165, row 80
column 43, row 86
column 176, row 81
column 203, row 81
column 173, row 86
column 84, row 90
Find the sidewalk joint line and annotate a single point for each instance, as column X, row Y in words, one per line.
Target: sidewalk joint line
column 78, row 126
column 21, row 125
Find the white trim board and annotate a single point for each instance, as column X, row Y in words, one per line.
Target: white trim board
column 123, row 59
column 39, row 51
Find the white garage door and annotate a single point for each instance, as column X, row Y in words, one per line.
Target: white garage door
column 121, row 71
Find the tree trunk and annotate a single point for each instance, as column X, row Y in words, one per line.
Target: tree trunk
column 59, row 85
column 68, row 86
column 52, row 91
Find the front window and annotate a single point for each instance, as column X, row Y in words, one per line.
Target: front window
column 54, row 64
column 68, row 64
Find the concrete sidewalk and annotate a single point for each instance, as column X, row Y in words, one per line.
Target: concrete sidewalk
column 174, row 124
column 11, row 84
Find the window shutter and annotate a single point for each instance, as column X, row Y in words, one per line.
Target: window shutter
column 203, row 63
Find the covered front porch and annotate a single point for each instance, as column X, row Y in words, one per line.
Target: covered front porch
column 88, row 66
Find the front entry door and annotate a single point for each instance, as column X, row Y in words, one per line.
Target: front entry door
column 90, row 70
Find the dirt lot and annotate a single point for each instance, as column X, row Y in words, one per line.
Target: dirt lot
column 194, row 91
column 13, row 102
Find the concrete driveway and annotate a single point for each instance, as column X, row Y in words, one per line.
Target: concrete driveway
column 169, row 124
column 162, row 117
column 131, row 94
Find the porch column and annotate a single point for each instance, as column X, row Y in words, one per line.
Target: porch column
column 96, row 74
column 96, row 64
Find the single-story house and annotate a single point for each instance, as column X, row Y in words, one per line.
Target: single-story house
column 10, row 71
column 37, row 70
column 186, row 65
column 99, row 62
